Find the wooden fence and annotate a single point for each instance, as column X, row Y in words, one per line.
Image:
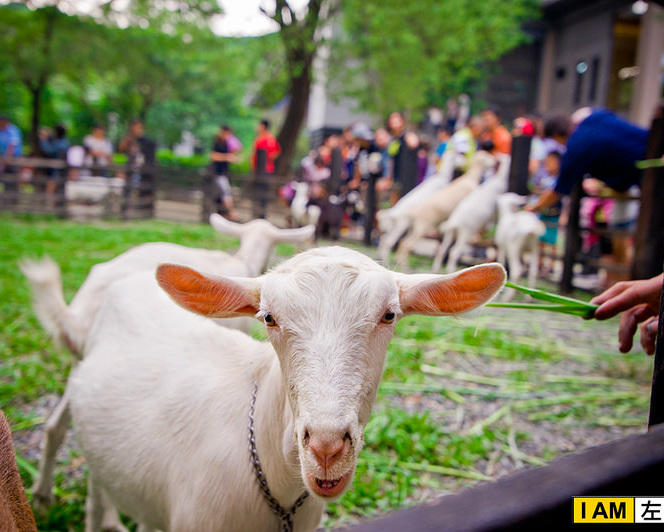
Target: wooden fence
column 47, row 186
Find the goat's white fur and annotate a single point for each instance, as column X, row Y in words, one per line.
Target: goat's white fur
column 517, row 234
column 301, row 213
column 161, row 399
column 70, row 325
column 420, row 219
column 475, row 212
column 388, row 218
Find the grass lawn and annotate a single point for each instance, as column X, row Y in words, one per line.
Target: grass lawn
column 463, row 400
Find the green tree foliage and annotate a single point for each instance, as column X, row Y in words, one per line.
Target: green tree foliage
column 162, row 65
column 408, row 55
column 37, row 45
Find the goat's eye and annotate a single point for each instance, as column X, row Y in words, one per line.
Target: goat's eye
column 269, row 320
column 388, row 317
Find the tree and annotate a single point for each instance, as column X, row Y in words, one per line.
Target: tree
column 408, row 55
column 37, row 45
column 300, row 41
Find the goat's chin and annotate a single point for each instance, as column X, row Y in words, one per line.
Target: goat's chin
column 328, row 488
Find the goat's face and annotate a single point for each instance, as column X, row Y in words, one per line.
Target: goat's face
column 330, row 323
column 330, row 314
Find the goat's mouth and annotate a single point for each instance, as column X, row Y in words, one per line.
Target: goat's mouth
column 329, row 488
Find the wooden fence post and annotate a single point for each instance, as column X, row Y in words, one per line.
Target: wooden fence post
column 518, row 178
column 649, row 237
column 370, row 209
column 407, row 169
column 260, row 185
column 333, row 183
column 571, row 239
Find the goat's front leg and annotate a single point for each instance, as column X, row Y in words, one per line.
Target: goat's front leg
column 442, row 249
column 534, row 261
column 94, row 507
column 111, row 518
column 54, row 435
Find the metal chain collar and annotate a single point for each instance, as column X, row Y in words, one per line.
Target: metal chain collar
column 286, row 516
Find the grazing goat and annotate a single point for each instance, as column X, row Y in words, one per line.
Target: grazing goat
column 426, row 216
column 517, row 233
column 472, row 215
column 70, row 325
column 15, row 512
column 188, row 426
column 301, row 212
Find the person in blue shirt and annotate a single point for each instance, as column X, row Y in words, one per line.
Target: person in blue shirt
column 603, row 146
column 10, row 139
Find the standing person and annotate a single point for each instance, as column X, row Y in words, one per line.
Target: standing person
column 442, row 136
column 402, row 140
column 264, row 141
column 462, row 145
column 55, row 146
column 134, row 144
column 495, row 131
column 223, row 153
column 11, row 145
column 98, row 148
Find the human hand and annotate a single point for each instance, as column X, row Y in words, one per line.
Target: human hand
column 639, row 303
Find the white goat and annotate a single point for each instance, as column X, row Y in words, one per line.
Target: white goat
column 164, row 402
column 517, row 233
column 472, row 215
column 301, row 212
column 70, row 325
column 425, row 217
column 387, row 218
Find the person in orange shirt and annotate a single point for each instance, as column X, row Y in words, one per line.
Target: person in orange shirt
column 495, row 131
column 265, row 141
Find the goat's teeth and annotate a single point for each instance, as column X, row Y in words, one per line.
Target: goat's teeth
column 327, row 484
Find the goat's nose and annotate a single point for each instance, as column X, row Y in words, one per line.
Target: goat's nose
column 329, row 450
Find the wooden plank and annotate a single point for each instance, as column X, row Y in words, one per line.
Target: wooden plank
column 571, row 239
column 649, row 238
column 656, row 416
column 541, row 498
column 518, row 177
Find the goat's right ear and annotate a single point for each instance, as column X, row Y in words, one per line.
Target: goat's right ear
column 217, row 297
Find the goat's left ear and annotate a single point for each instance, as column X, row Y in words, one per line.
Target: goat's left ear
column 214, row 297
column 441, row 295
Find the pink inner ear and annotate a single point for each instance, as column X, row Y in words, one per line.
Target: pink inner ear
column 468, row 290
column 220, row 298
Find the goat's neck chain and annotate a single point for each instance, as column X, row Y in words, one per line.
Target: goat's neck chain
column 286, row 516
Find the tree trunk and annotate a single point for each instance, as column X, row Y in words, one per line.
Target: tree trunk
column 297, row 109
column 36, row 94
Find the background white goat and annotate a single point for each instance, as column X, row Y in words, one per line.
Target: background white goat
column 473, row 214
column 517, row 234
column 301, row 212
column 388, row 218
column 70, row 324
column 161, row 399
column 426, row 216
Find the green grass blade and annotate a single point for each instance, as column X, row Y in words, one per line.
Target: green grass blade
column 650, row 163
column 584, row 310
